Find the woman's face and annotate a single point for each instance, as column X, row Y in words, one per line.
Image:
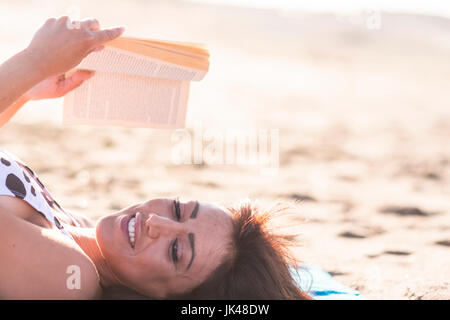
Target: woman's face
column 176, row 244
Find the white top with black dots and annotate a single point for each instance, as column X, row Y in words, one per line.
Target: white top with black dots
column 18, row 180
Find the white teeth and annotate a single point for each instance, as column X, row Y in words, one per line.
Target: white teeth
column 131, row 230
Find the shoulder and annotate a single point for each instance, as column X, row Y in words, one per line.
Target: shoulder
column 81, row 279
column 39, row 263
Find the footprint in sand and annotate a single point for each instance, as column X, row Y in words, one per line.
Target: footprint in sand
column 445, row 243
column 300, row 197
column 397, row 252
column 390, row 252
column 405, row 211
column 363, row 233
column 350, row 234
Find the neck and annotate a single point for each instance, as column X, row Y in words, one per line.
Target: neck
column 85, row 238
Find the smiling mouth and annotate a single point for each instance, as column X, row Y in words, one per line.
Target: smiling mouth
column 131, row 231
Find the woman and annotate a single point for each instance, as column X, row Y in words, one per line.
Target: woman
column 161, row 248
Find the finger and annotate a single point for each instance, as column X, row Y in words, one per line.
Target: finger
column 74, row 81
column 67, row 21
column 102, row 36
column 64, row 20
column 91, row 24
column 74, row 25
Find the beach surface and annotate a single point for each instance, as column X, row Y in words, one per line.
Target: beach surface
column 361, row 116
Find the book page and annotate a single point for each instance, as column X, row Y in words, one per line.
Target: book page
column 116, row 60
column 127, row 100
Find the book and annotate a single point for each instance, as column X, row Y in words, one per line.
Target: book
column 137, row 83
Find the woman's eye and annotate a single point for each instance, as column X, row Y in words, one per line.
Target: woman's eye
column 177, row 210
column 175, row 251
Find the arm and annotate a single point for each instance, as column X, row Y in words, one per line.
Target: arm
column 34, row 263
column 17, row 76
column 55, row 48
column 52, row 87
column 11, row 111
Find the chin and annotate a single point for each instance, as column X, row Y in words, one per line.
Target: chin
column 104, row 233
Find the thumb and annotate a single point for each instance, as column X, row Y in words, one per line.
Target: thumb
column 74, row 81
column 102, row 36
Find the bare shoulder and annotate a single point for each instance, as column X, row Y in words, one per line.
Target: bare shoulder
column 39, row 263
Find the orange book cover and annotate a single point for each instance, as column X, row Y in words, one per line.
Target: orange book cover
column 183, row 55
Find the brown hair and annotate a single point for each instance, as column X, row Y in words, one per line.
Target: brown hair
column 257, row 266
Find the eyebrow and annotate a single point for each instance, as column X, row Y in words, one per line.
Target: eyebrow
column 191, row 235
column 192, row 243
column 195, row 211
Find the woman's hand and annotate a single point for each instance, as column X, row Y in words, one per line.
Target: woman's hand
column 60, row 45
column 57, row 86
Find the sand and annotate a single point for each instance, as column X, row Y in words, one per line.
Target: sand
column 363, row 129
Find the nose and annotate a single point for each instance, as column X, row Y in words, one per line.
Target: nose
column 158, row 225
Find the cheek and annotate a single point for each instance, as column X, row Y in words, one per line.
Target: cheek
column 106, row 242
column 151, row 267
column 141, row 273
column 128, row 272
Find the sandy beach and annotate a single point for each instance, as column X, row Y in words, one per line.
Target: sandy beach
column 363, row 120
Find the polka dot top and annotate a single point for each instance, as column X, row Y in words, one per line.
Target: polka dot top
column 18, row 180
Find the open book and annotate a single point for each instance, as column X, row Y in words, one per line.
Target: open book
column 137, row 83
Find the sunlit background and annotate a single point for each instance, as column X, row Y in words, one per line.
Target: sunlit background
column 359, row 91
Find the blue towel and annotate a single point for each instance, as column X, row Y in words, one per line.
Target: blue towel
column 320, row 285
